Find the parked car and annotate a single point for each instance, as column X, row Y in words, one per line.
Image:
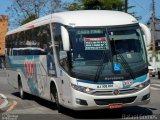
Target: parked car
column 152, row 70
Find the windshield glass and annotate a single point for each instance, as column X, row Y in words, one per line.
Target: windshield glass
column 88, row 46
column 106, row 53
column 128, row 49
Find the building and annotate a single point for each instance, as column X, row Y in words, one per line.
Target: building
column 157, row 41
column 3, row 31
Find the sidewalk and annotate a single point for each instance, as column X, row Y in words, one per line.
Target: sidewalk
column 2, row 73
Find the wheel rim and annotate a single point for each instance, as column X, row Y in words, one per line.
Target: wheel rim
column 54, row 96
column 21, row 90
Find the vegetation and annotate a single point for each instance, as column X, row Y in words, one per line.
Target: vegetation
column 23, row 11
column 96, row 4
column 99, row 5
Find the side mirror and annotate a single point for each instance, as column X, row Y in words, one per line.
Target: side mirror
column 65, row 38
column 147, row 34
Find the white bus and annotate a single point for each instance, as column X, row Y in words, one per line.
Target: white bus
column 82, row 60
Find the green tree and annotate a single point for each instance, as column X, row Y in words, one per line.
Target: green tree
column 95, row 5
column 99, row 5
column 30, row 18
column 23, row 11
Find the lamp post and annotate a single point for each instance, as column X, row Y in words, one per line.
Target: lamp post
column 126, row 6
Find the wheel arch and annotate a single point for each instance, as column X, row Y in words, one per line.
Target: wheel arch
column 55, row 85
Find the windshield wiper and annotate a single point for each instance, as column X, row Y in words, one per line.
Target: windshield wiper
column 100, row 66
column 126, row 65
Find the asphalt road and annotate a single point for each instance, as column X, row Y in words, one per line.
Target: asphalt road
column 33, row 107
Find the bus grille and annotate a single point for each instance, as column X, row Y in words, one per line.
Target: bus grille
column 117, row 100
column 110, row 92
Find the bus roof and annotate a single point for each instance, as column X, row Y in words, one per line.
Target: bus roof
column 81, row 18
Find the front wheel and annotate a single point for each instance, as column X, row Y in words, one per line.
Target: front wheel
column 54, row 96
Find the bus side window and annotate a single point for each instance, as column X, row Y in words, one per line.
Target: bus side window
column 41, row 37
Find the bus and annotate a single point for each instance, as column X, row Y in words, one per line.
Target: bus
column 81, row 60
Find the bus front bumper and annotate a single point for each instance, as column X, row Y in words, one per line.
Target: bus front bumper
column 83, row 101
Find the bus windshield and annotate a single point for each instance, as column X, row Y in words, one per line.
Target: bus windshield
column 103, row 54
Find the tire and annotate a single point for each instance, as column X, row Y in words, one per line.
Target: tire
column 21, row 92
column 158, row 74
column 153, row 75
column 54, row 96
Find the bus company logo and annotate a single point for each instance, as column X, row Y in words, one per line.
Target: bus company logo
column 29, row 68
column 128, row 83
column 115, row 92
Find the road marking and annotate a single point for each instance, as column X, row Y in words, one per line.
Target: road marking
column 157, row 85
column 153, row 88
column 12, row 106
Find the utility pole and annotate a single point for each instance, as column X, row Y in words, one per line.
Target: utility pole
column 154, row 35
column 126, row 5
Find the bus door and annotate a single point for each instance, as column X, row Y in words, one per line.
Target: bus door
column 64, row 77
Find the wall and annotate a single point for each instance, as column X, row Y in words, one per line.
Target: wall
column 3, row 31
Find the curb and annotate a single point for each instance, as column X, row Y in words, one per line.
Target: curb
column 3, row 101
column 3, row 96
column 5, row 109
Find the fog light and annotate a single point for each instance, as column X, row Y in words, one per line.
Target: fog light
column 81, row 102
column 145, row 97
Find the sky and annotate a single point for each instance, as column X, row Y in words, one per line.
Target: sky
column 3, row 6
column 142, row 8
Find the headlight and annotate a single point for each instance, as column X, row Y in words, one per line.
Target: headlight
column 82, row 89
column 143, row 85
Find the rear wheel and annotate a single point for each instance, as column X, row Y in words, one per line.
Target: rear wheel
column 20, row 87
column 54, row 96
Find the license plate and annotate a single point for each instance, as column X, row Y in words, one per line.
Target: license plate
column 115, row 105
column 105, row 86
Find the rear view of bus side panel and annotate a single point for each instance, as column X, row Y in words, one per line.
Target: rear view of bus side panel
column 27, row 54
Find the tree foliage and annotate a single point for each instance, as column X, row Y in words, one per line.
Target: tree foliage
column 99, row 5
column 95, row 5
column 30, row 18
column 23, row 11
